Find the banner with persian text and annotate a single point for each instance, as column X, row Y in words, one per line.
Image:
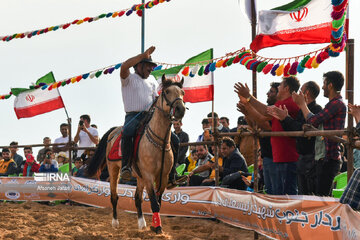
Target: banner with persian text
column 278, row 217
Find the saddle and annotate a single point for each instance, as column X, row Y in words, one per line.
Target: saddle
column 115, row 151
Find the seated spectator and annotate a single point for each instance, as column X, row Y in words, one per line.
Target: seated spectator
column 202, row 167
column 205, row 125
column 41, row 154
column 16, row 157
column 249, row 180
column 31, row 166
column 191, row 160
column 7, row 164
column 78, row 163
column 49, row 164
column 86, row 156
column 27, row 151
column 62, row 158
column 210, row 181
column 233, row 162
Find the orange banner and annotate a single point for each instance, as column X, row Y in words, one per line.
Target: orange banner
column 278, row 217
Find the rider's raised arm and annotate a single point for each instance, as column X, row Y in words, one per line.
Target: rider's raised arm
column 125, row 66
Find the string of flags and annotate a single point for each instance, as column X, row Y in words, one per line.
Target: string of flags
column 246, row 57
column 138, row 8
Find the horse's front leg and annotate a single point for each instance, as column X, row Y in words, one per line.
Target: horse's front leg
column 138, row 202
column 114, row 172
column 155, row 207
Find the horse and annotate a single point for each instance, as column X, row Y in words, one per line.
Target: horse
column 155, row 156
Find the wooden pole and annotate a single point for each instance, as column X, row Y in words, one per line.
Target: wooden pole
column 70, row 155
column 350, row 97
column 254, row 78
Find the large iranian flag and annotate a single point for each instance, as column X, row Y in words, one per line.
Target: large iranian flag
column 299, row 22
column 29, row 103
column 197, row 88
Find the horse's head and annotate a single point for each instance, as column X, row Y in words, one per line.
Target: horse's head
column 172, row 95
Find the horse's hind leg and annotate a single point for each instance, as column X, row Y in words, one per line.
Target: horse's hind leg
column 138, row 202
column 114, row 172
column 155, row 207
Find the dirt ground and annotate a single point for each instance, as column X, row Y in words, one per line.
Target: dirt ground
column 31, row 220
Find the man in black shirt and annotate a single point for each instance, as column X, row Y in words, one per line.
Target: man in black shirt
column 184, row 138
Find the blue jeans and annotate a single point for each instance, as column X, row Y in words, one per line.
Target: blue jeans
column 132, row 121
column 269, row 174
column 286, row 178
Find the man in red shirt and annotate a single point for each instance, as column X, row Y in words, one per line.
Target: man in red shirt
column 283, row 148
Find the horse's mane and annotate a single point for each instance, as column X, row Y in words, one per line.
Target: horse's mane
column 168, row 82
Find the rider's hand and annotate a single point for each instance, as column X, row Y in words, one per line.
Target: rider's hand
column 149, row 51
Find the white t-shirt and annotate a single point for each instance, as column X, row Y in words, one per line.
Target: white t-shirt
column 138, row 93
column 63, row 140
column 84, row 139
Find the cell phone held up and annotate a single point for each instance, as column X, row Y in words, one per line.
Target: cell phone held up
column 81, row 123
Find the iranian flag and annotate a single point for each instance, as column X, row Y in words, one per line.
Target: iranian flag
column 197, row 88
column 299, row 22
column 32, row 102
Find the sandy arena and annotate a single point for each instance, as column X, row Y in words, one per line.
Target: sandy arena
column 33, row 220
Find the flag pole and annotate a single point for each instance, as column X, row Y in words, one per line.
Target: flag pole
column 143, row 29
column 254, row 81
column 69, row 122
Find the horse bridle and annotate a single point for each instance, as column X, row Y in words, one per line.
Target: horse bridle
column 171, row 113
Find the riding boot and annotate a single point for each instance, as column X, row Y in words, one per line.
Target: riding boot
column 126, row 149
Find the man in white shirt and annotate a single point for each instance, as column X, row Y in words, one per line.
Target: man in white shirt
column 138, row 93
column 64, row 129
column 86, row 135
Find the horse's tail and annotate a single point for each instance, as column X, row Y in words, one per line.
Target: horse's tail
column 99, row 159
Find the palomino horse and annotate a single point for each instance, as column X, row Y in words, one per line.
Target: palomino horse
column 155, row 157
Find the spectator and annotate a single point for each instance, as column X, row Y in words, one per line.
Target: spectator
column 233, row 162
column 7, row 164
column 62, row 158
column 27, row 151
column 86, row 135
column 86, row 156
column 191, row 160
column 283, row 148
column 64, row 130
column 184, row 138
column 205, row 125
column 16, row 157
column 355, row 111
column 250, row 182
column 202, row 169
column 333, row 118
column 217, row 124
column 351, row 194
column 49, row 164
column 41, row 154
column 265, row 142
column 210, row 181
column 31, row 166
column 78, row 163
column 1, row 158
column 306, row 173
column 225, row 122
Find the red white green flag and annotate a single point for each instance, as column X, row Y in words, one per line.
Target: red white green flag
column 32, row 102
column 197, row 88
column 298, row 22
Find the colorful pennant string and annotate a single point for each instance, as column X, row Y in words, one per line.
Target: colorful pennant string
column 138, row 8
column 252, row 61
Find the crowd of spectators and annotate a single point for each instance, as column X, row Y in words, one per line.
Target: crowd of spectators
column 287, row 165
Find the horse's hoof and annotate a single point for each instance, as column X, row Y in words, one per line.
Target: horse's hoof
column 157, row 230
column 141, row 223
column 115, row 223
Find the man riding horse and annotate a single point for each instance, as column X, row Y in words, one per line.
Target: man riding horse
column 138, row 93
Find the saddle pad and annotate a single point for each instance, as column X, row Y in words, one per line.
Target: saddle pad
column 115, row 152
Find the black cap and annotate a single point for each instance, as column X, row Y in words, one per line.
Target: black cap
column 147, row 60
column 241, row 121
